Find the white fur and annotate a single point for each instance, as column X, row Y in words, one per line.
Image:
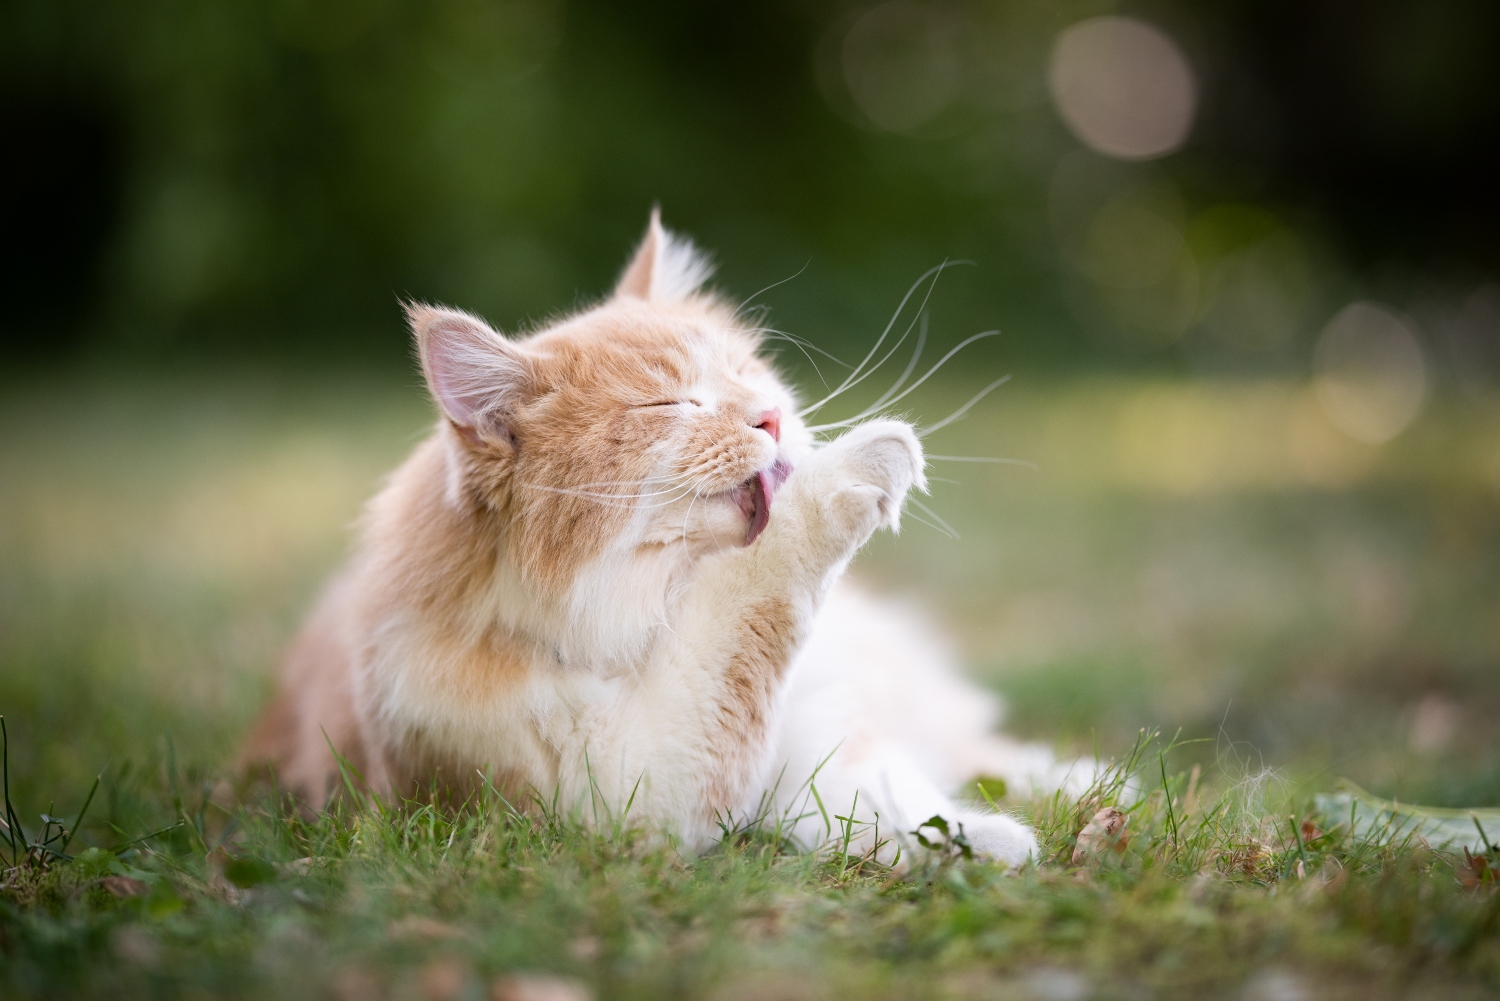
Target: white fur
column 871, row 711
column 681, row 267
column 627, row 676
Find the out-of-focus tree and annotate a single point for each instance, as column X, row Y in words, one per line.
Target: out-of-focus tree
column 208, row 176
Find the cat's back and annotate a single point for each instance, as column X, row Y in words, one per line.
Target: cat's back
column 412, row 560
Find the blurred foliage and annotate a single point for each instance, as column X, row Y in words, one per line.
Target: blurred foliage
column 195, row 177
column 1175, row 560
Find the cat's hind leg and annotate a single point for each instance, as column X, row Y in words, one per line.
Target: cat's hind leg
column 871, row 794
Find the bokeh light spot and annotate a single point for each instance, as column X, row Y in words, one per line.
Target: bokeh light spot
column 1134, row 241
column 901, row 64
column 1370, row 374
column 1123, row 87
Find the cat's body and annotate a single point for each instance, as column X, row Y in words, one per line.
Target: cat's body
column 612, row 575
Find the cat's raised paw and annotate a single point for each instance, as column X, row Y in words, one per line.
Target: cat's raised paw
column 872, row 468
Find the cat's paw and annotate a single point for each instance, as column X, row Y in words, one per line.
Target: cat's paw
column 867, row 473
column 999, row 838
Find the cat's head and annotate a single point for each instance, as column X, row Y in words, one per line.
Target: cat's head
column 649, row 422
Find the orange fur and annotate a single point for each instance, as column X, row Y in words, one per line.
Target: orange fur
column 476, row 493
column 603, row 574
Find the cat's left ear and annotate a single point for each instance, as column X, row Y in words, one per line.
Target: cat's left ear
column 476, row 376
column 666, row 266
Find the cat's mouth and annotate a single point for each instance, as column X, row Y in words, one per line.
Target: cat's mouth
column 754, row 496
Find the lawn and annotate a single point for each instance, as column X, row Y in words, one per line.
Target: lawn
column 1270, row 628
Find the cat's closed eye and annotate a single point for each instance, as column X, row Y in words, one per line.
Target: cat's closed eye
column 670, row 403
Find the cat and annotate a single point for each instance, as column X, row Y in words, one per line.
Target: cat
column 614, row 574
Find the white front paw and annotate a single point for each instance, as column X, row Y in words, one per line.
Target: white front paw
column 869, row 472
column 1000, row 839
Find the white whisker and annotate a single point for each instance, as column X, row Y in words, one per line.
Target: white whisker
column 958, row 414
column 869, row 412
column 852, row 378
column 946, row 528
column 769, row 287
column 984, row 458
column 797, row 342
column 911, row 366
column 598, row 495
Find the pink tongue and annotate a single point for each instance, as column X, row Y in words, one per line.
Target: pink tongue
column 761, row 492
column 763, row 489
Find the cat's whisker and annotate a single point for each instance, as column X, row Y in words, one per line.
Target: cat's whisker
column 873, row 411
column 597, row 495
column 931, row 525
column 818, row 371
column 625, row 501
column 801, row 341
column 858, row 377
column 921, row 312
column 959, row 413
column 747, row 302
column 851, row 379
column 984, row 458
column 654, row 478
column 803, row 345
column 949, row 529
column 601, row 487
column 910, row 366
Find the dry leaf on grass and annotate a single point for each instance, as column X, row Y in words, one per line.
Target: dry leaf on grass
column 416, row 926
column 444, row 979
column 1105, row 832
column 586, row 948
column 125, row 886
column 1249, row 857
column 1475, row 870
column 354, row 984
column 539, row 987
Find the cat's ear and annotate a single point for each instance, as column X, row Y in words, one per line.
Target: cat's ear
column 475, row 375
column 666, row 265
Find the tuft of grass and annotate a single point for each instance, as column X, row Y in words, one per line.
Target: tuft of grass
column 1170, row 562
column 1206, row 891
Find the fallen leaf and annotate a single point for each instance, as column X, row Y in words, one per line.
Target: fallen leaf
column 135, row 945
column 1475, row 870
column 586, row 948
column 416, row 926
column 444, row 979
column 1250, row 856
column 1106, row 831
column 539, row 987
column 125, row 886
column 354, row 984
column 302, row 866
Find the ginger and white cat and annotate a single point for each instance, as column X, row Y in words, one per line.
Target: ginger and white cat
column 615, row 569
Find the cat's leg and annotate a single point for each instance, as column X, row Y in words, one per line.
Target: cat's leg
column 886, row 668
column 882, row 792
column 697, row 726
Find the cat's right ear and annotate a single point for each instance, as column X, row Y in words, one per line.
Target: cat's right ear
column 476, row 376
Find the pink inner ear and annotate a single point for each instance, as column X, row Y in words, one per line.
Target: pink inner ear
column 458, row 397
column 465, row 362
column 443, row 371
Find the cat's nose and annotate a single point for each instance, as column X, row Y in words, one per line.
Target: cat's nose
column 770, row 423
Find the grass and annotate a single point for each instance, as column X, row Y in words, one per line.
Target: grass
column 1298, row 619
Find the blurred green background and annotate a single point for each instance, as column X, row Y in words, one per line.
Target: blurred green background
column 1243, row 257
